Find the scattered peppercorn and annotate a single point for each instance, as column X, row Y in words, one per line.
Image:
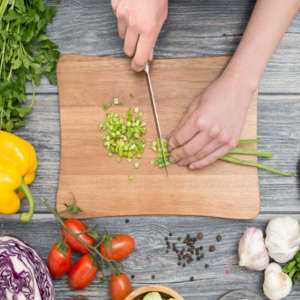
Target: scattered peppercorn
column 189, row 252
column 212, row 248
column 126, row 221
column 153, row 277
column 200, row 236
column 218, row 238
column 192, row 278
column 132, row 276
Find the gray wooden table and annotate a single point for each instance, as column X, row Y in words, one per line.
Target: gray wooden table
column 194, row 29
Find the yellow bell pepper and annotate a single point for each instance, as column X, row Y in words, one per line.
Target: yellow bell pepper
column 18, row 164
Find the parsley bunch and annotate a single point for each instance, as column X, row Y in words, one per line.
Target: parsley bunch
column 26, row 52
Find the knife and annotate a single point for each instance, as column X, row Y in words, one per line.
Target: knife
column 147, row 71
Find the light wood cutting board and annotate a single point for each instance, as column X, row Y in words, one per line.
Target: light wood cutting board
column 101, row 185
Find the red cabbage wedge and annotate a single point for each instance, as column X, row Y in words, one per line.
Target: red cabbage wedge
column 23, row 274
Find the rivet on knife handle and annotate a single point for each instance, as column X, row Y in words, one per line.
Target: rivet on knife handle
column 147, row 71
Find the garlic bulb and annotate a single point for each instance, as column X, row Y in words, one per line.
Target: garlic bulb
column 277, row 284
column 252, row 251
column 283, row 238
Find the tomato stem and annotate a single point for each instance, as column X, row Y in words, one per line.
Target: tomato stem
column 114, row 266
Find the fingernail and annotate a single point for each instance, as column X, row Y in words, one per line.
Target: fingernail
column 192, row 166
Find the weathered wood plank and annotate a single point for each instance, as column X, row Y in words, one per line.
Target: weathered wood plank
column 278, row 126
column 150, row 258
column 194, row 29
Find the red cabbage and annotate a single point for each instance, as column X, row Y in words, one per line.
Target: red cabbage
column 23, row 274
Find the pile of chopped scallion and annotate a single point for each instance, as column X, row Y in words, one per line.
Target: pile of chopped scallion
column 124, row 134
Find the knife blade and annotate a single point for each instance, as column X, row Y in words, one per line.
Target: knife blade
column 147, row 71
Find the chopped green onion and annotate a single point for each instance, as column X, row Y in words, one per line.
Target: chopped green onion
column 136, row 110
column 116, row 101
column 130, row 177
column 119, row 159
column 159, row 161
column 106, row 106
column 124, row 134
column 131, row 96
column 136, row 165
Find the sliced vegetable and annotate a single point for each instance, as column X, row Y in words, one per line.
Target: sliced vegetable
column 59, row 260
column 124, row 134
column 23, row 274
column 83, row 272
column 117, row 247
column 120, row 286
column 159, row 160
column 77, row 227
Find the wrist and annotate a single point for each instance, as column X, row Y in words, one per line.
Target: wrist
column 241, row 77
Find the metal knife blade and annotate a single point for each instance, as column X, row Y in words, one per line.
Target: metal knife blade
column 147, row 71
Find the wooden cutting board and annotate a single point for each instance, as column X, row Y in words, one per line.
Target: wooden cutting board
column 101, row 185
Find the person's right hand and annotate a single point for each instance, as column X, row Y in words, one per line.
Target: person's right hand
column 139, row 24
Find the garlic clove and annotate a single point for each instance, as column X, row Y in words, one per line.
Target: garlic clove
column 282, row 238
column 252, row 251
column 277, row 285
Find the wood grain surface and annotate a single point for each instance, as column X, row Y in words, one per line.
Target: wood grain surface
column 100, row 184
column 194, row 29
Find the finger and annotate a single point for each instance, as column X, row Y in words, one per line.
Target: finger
column 122, row 26
column 130, row 42
column 187, row 114
column 144, row 48
column 151, row 55
column 190, row 148
column 211, row 158
column 183, row 134
column 114, row 5
column 208, row 149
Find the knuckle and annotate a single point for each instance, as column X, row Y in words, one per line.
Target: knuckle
column 213, row 132
column 132, row 23
column 148, row 28
column 223, row 138
column 201, row 124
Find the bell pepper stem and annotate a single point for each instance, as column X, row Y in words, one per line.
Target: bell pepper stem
column 26, row 216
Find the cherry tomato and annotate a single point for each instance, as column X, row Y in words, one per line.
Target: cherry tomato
column 82, row 273
column 77, row 226
column 120, row 287
column 122, row 245
column 58, row 263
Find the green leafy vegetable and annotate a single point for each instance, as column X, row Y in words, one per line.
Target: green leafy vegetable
column 26, row 53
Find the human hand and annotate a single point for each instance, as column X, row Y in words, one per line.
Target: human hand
column 212, row 125
column 139, row 24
